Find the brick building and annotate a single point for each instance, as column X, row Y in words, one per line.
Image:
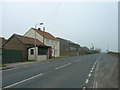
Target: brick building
column 68, row 47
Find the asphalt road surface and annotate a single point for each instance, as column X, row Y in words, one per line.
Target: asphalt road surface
column 72, row 72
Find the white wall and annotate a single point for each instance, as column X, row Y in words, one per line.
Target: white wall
column 55, row 44
column 39, row 57
column 31, row 33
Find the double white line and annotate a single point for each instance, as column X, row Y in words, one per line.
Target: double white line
column 95, row 83
column 87, row 80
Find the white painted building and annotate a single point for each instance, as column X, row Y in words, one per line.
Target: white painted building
column 45, row 38
column 41, row 53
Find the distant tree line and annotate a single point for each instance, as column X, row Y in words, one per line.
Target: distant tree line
column 85, row 50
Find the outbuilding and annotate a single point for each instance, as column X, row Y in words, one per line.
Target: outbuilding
column 41, row 53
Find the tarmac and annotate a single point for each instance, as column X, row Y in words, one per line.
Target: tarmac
column 20, row 64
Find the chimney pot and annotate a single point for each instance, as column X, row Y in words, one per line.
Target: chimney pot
column 39, row 28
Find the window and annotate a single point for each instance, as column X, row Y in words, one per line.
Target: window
column 47, row 41
column 31, row 51
column 42, row 51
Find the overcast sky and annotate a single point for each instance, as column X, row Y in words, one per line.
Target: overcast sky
column 81, row 22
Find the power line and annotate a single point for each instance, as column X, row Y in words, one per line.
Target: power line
column 53, row 13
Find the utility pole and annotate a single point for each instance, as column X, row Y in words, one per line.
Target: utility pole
column 35, row 44
column 107, row 47
column 43, row 35
column 78, row 49
column 54, row 50
column 35, row 56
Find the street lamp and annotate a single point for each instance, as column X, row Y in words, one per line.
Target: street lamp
column 35, row 40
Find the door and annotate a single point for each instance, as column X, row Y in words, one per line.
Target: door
column 50, row 52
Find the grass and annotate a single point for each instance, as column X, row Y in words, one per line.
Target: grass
column 28, row 61
column 2, row 65
column 56, row 57
column 60, row 57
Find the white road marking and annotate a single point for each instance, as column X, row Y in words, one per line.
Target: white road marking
column 91, row 71
column 89, row 75
column 86, row 81
column 11, row 69
column 26, row 66
column 96, row 85
column 34, row 64
column 92, row 68
column 84, row 88
column 76, row 60
column 62, row 66
column 23, row 80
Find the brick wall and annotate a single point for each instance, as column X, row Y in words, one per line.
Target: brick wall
column 69, row 53
column 16, row 44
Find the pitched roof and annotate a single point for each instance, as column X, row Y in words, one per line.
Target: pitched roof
column 45, row 34
column 68, row 41
column 2, row 41
column 28, row 40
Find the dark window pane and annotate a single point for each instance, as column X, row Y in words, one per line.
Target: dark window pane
column 31, row 51
column 42, row 51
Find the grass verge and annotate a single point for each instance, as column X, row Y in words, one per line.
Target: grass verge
column 28, row 61
column 2, row 65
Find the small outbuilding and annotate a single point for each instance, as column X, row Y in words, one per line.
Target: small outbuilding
column 39, row 53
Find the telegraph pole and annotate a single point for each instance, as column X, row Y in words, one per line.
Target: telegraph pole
column 35, row 44
column 35, row 56
column 107, row 47
column 43, row 34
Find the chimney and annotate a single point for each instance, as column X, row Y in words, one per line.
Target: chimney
column 39, row 28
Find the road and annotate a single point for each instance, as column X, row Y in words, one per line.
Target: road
column 72, row 72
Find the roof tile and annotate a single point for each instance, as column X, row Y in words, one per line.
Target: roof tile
column 28, row 40
column 45, row 34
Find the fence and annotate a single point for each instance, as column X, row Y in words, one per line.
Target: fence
column 10, row 56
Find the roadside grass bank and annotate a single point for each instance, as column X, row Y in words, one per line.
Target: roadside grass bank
column 3, row 65
column 114, row 53
column 28, row 61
